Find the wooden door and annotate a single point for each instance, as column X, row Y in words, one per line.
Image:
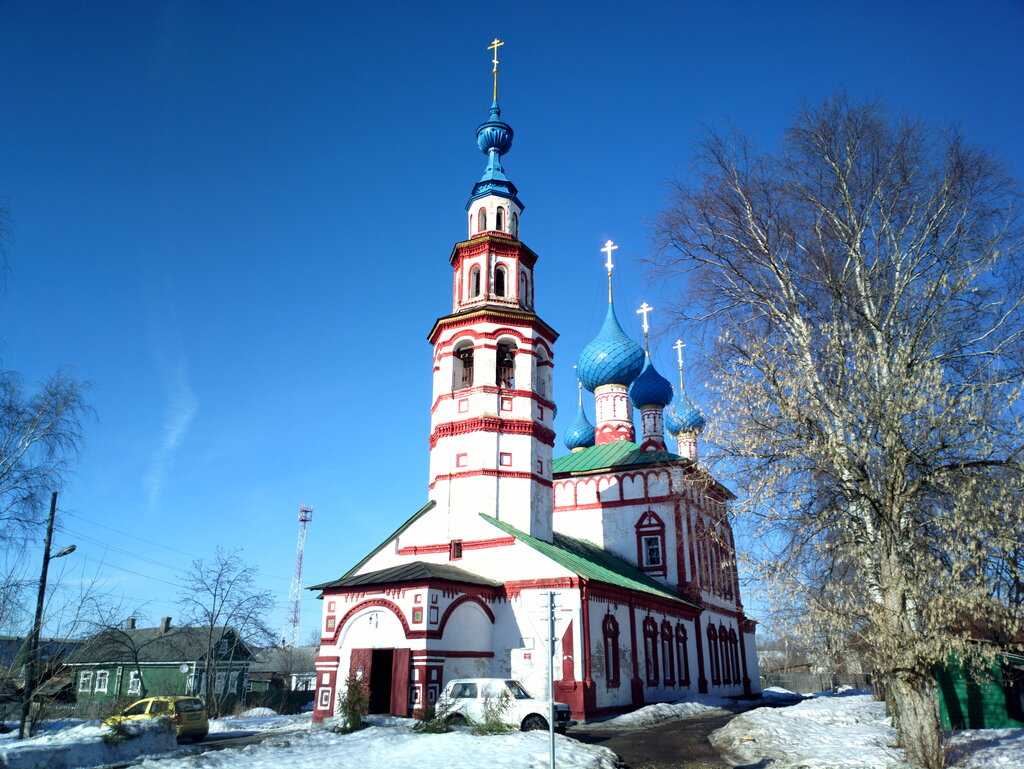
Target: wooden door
column 361, row 663
column 400, row 683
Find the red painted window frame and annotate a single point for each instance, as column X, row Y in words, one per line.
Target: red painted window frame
column 668, row 658
column 651, row 651
column 648, row 525
column 713, row 655
column 723, row 644
column 683, row 656
column 610, row 630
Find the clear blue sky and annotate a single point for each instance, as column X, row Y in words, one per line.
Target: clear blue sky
column 234, row 220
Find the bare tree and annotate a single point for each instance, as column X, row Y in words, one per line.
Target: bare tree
column 864, row 290
column 221, row 598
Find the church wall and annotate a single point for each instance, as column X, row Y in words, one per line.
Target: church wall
column 753, row 666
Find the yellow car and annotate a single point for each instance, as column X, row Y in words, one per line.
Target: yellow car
column 188, row 714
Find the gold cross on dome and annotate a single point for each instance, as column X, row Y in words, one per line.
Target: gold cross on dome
column 494, row 46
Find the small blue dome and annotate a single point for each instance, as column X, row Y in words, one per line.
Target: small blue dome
column 611, row 357
column 494, row 138
column 650, row 388
column 684, row 417
column 581, row 434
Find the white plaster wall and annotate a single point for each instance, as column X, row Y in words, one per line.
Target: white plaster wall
column 491, row 203
column 753, row 667
column 621, row 695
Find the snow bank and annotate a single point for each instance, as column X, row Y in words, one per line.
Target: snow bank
column 649, row 715
column 43, row 727
column 824, row 732
column 987, row 749
column 778, row 693
column 84, row 746
column 256, row 721
column 389, row 747
column 833, row 731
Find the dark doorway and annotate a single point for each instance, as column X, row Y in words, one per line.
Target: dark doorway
column 380, row 681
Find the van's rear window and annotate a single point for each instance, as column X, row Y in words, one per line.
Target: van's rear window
column 188, row 706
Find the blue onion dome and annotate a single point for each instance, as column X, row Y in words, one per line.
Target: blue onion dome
column 611, row 357
column 581, row 435
column 684, row 417
column 650, row 388
column 494, row 138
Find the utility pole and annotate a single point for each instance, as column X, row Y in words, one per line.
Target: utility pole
column 551, row 675
column 31, row 667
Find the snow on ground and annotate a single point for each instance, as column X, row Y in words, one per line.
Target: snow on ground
column 659, row 712
column 987, row 749
column 379, row 747
column 847, row 730
column 260, row 720
column 778, row 693
column 42, row 728
column 87, row 744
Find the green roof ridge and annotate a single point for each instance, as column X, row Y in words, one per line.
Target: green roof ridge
column 408, row 522
column 589, row 561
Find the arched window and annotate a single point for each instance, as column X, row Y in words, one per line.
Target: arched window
column 667, row 653
column 499, row 219
column 462, row 370
column 713, row 655
column 515, row 224
column 481, row 220
column 542, row 371
column 651, row 651
column 505, row 365
column 610, row 628
column 499, row 279
column 682, row 656
column 474, row 281
column 524, row 289
column 650, row 544
column 723, row 644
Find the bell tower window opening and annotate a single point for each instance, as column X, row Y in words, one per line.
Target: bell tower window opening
column 505, row 366
column 474, row 281
column 462, row 374
column 524, row 289
column 515, row 224
column 481, row 220
column 610, row 628
column 499, row 219
column 499, row 279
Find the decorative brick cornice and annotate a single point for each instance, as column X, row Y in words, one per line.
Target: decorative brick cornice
column 493, row 425
column 498, row 243
column 492, row 390
column 495, row 315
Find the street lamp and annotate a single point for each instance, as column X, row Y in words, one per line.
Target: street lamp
column 33, row 648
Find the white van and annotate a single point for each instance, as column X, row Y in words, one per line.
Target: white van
column 464, row 699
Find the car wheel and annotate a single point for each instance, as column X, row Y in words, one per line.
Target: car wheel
column 455, row 719
column 534, row 722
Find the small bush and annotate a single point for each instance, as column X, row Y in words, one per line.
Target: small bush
column 353, row 703
column 435, row 720
column 495, row 720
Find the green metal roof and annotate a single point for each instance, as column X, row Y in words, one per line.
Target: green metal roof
column 607, row 455
column 589, row 561
column 409, row 522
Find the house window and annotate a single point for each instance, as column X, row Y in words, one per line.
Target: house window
column 85, row 681
column 610, row 629
column 713, row 654
column 682, row 656
column 499, row 219
column 455, row 550
column 499, row 281
column 481, row 220
column 220, row 682
column 505, row 365
column 651, row 651
column 666, row 653
column 134, row 682
column 474, row 281
column 462, row 370
column 102, row 676
column 650, row 543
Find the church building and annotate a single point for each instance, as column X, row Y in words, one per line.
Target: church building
column 634, row 539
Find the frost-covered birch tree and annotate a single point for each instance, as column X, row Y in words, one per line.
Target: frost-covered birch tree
column 864, row 289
